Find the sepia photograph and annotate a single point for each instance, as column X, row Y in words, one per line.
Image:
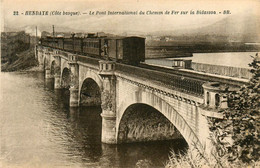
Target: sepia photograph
column 130, row 84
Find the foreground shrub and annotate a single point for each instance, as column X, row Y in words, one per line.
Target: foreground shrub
column 197, row 160
column 236, row 136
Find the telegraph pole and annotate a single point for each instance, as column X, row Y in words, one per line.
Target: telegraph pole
column 36, row 43
column 53, row 34
column 53, row 31
column 36, row 38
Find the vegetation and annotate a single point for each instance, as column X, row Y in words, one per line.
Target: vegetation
column 143, row 164
column 241, row 121
column 23, row 60
column 236, row 137
column 198, row 160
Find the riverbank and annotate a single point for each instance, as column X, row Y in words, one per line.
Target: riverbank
column 24, row 61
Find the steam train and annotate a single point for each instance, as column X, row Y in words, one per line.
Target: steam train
column 129, row 50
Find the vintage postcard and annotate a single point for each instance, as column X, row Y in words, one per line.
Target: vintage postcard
column 141, row 83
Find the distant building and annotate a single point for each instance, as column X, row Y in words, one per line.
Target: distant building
column 45, row 34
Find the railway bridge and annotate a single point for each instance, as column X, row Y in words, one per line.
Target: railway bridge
column 139, row 103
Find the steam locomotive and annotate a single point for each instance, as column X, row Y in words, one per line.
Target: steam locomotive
column 129, row 50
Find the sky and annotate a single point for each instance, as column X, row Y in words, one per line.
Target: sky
column 121, row 23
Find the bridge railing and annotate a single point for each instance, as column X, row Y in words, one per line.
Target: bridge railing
column 89, row 60
column 167, row 79
column 195, row 75
column 173, row 81
column 64, row 54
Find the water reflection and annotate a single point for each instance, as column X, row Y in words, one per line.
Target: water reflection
column 39, row 123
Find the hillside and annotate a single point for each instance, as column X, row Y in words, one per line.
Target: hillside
column 25, row 60
column 233, row 28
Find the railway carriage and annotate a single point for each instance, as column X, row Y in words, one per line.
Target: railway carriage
column 48, row 41
column 60, row 44
column 78, row 45
column 129, row 50
column 92, row 46
column 68, row 44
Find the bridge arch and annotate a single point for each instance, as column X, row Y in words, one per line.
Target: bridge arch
column 90, row 93
column 141, row 122
column 66, row 78
column 45, row 63
column 64, row 64
column 53, row 67
column 86, row 74
column 167, row 110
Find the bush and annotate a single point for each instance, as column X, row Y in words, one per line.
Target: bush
column 143, row 164
column 197, row 160
column 241, row 121
column 236, row 137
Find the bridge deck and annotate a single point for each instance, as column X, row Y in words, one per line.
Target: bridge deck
column 186, row 81
column 198, row 75
column 173, row 81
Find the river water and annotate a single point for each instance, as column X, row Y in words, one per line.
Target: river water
column 233, row 59
column 38, row 129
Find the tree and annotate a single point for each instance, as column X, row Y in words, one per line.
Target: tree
column 241, row 121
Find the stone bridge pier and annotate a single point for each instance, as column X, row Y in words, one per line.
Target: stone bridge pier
column 57, row 71
column 39, row 55
column 74, row 83
column 66, row 71
column 108, row 99
column 47, row 60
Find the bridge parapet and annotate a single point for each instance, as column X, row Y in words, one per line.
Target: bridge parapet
column 39, row 48
column 47, row 49
column 72, row 59
column 64, row 54
column 55, row 52
column 215, row 99
column 50, row 49
column 106, row 68
column 89, row 60
column 61, row 53
column 173, row 81
column 56, row 56
column 46, row 52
